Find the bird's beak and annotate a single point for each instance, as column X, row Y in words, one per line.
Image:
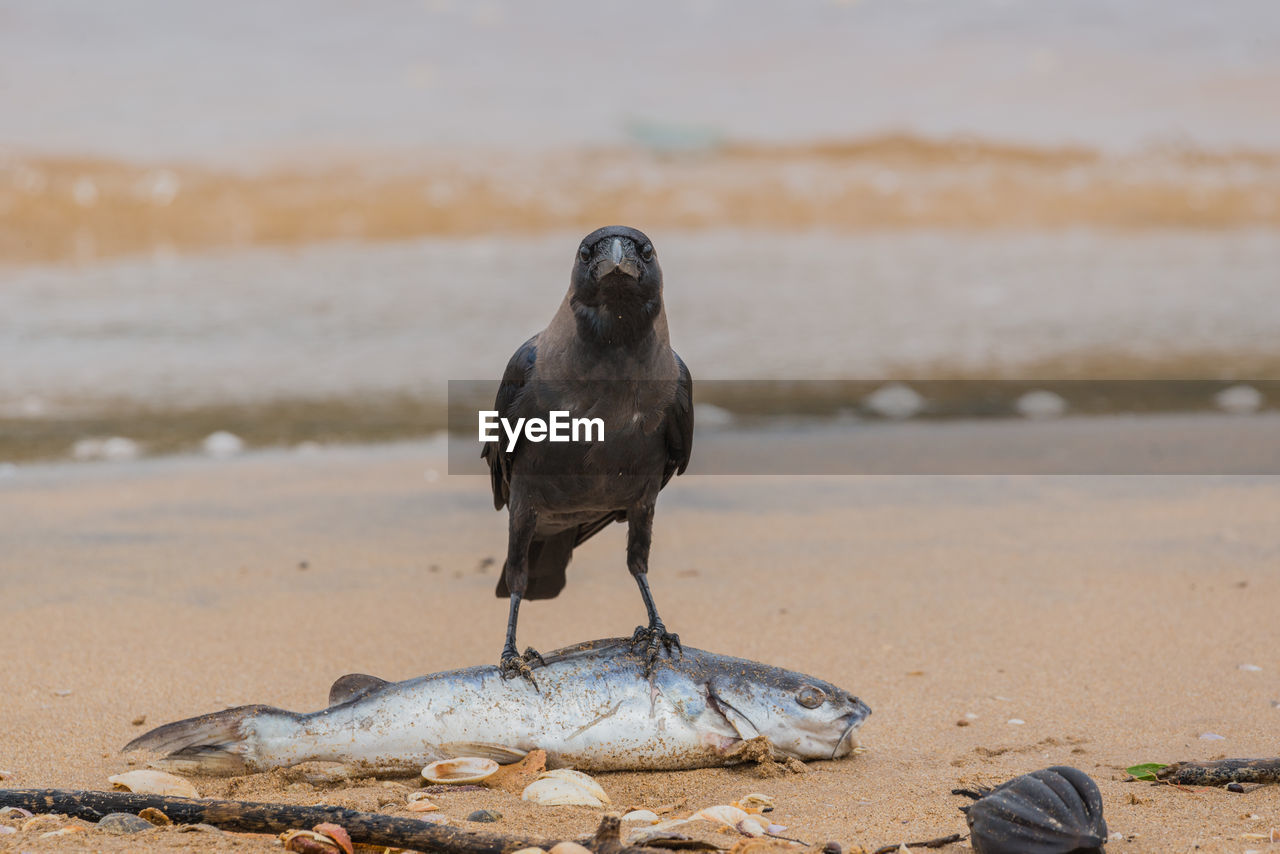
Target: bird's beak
column 617, row 261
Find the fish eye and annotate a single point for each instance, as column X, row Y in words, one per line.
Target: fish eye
column 584, row 252
column 646, row 252
column 810, row 697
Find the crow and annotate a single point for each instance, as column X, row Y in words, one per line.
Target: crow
column 606, row 354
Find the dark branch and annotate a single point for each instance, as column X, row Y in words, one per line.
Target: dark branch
column 1221, row 772
column 248, row 817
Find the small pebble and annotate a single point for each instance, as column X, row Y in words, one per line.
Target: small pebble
column 1212, row 736
column 895, row 401
column 139, row 720
column 962, row 722
column 487, row 816
column 832, row 848
column 4, row 829
column 1040, row 404
column 123, row 822
column 1239, row 399
column 1017, row 721
column 4, row 775
column 221, row 445
column 1235, row 787
column 62, row 692
column 1252, row 668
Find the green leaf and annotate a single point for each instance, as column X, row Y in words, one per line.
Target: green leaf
column 1145, row 771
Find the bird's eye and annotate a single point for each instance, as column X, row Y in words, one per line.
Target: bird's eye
column 646, row 252
column 810, row 697
column 584, row 252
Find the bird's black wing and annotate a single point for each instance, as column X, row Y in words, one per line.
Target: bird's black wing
column 495, row 453
column 679, row 425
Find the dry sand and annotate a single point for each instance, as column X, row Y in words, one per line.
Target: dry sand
column 1111, row 614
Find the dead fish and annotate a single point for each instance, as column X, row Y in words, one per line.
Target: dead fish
column 592, row 708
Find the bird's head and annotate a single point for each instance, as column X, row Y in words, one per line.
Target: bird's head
column 616, row 288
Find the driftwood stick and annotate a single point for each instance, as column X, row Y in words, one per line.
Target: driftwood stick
column 249, row 817
column 928, row 843
column 1221, row 772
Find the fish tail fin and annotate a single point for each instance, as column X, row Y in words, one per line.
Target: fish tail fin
column 220, row 743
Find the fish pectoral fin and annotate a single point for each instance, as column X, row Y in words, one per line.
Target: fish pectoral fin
column 353, row 685
column 499, row 753
column 745, row 729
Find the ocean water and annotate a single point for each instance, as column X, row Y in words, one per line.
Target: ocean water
column 239, row 81
column 351, row 319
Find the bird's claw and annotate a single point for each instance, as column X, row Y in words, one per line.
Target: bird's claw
column 656, row 638
column 513, row 664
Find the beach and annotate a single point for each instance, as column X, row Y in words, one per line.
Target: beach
column 994, row 625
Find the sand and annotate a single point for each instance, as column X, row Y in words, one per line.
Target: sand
column 1110, row 614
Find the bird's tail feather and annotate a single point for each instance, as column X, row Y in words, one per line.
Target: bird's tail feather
column 548, row 560
column 220, row 743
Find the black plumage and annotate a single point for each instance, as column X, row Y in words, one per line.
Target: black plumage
column 606, row 354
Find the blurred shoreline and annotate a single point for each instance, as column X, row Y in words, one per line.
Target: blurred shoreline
column 80, row 210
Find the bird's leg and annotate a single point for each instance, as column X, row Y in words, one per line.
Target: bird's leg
column 655, row 636
column 519, row 537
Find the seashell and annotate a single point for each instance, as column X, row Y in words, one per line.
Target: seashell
column 529, row 851
column 65, row 831
column 338, row 834
column 774, row 846
column 15, row 812
column 1051, row 811
column 578, row 779
column 567, row 847
column 555, row 792
column 485, row 816
column 641, row 815
column 418, row 802
column 755, row 803
column 149, row 782
column 308, row 842
column 464, row 769
column 751, row 826
column 5, row 829
column 155, row 816
column 721, row 813
column 37, row 821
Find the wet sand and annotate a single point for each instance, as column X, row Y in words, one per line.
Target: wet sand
column 1111, row 614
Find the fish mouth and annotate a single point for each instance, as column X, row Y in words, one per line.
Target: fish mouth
column 849, row 739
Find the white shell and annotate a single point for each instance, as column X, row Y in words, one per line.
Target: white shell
column 755, row 802
column 464, row 769
column 568, row 847
column 722, row 813
column 578, row 779
column 641, row 815
column 553, row 791
column 146, row 781
column 752, row 826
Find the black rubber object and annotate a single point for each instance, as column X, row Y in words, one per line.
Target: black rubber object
column 1055, row 810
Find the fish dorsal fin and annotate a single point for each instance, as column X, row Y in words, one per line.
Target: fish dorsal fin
column 499, row 753
column 353, row 685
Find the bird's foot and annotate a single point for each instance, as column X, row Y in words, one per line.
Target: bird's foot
column 655, row 639
column 512, row 664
